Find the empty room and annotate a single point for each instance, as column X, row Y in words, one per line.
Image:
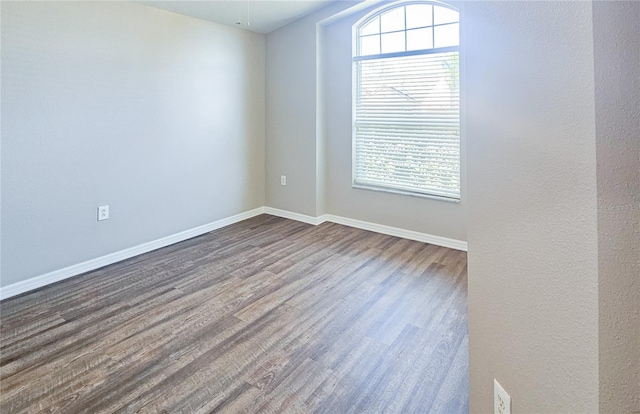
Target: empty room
column 320, row 206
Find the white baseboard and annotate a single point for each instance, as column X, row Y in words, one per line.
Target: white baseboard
column 365, row 225
column 74, row 270
column 294, row 216
column 398, row 232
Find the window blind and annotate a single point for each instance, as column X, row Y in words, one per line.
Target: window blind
column 407, row 124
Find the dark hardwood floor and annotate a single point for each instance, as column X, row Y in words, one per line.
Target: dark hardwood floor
column 268, row 315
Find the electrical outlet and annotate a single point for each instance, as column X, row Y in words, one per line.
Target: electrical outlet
column 501, row 400
column 283, row 180
column 103, row 213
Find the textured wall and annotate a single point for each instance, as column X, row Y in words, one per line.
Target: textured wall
column 533, row 282
column 617, row 80
column 159, row 115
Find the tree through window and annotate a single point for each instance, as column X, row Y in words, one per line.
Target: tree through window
column 407, row 100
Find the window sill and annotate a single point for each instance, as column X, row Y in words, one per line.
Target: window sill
column 405, row 192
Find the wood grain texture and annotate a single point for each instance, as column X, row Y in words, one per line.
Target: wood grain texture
column 264, row 316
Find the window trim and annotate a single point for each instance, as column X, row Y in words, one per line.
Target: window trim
column 356, row 57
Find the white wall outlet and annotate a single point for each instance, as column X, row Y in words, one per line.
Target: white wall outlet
column 283, row 180
column 501, row 400
column 103, row 213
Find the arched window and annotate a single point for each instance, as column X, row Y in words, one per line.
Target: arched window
column 407, row 100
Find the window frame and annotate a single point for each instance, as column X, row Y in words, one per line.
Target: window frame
column 356, row 58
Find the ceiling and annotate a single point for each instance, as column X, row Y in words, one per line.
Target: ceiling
column 260, row 16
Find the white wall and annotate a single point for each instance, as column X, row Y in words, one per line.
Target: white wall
column 293, row 146
column 617, row 92
column 309, row 94
column 158, row 115
column 533, row 238
column 291, row 117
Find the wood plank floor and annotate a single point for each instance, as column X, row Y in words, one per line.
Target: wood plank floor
column 268, row 315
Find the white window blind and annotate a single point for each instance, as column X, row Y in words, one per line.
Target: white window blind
column 407, row 122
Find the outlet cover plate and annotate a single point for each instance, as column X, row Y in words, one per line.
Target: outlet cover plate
column 103, row 213
column 283, row 180
column 501, row 400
